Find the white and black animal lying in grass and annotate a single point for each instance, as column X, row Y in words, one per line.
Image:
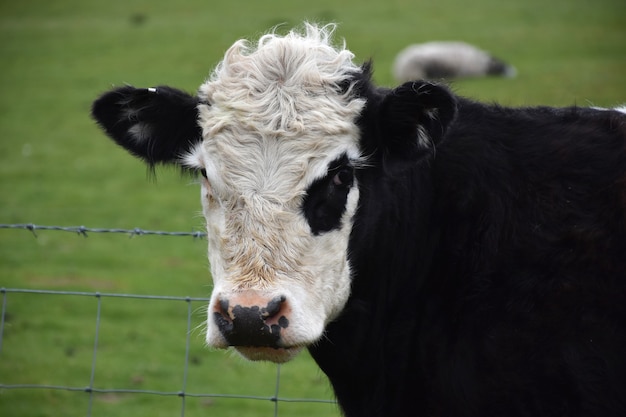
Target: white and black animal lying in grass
column 437, row 256
column 447, row 60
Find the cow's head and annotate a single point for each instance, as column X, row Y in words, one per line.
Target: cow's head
column 277, row 134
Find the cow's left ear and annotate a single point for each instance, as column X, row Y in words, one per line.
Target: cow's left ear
column 158, row 125
column 414, row 118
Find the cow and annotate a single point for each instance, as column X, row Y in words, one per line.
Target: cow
column 447, row 60
column 436, row 256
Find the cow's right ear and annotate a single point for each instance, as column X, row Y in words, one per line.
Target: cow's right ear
column 415, row 117
column 158, row 125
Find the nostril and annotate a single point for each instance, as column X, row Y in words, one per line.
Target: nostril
column 222, row 308
column 273, row 307
column 222, row 318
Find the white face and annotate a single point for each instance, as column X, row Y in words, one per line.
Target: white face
column 261, row 241
column 279, row 194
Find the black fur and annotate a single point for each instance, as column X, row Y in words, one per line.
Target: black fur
column 170, row 115
column 325, row 200
column 489, row 279
column 409, row 106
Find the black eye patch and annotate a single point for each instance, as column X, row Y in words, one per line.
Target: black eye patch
column 325, row 200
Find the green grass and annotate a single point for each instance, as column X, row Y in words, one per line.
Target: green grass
column 56, row 168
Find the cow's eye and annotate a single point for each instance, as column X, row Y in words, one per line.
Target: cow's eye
column 325, row 200
column 344, row 177
column 203, row 173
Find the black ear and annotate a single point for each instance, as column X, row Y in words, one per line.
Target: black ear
column 414, row 118
column 158, row 124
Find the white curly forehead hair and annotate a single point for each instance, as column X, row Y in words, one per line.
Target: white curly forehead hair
column 281, row 81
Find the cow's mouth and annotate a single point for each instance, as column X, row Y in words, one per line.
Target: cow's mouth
column 270, row 354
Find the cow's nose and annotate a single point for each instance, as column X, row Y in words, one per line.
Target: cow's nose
column 251, row 320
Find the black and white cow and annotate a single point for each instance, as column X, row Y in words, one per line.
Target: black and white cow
column 447, row 60
column 437, row 256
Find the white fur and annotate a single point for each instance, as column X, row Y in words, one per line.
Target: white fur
column 140, row 132
column 621, row 109
column 273, row 121
column 460, row 58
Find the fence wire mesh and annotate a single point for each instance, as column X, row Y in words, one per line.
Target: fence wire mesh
column 8, row 296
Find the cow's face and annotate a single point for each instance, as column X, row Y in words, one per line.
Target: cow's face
column 277, row 135
column 278, row 160
column 278, row 218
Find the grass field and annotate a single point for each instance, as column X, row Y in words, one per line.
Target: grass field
column 56, row 168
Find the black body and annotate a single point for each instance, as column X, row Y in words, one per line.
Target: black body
column 489, row 276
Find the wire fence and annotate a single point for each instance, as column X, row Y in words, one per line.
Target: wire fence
column 99, row 298
column 84, row 231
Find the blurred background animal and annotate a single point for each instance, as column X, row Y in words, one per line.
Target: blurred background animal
column 447, row 60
